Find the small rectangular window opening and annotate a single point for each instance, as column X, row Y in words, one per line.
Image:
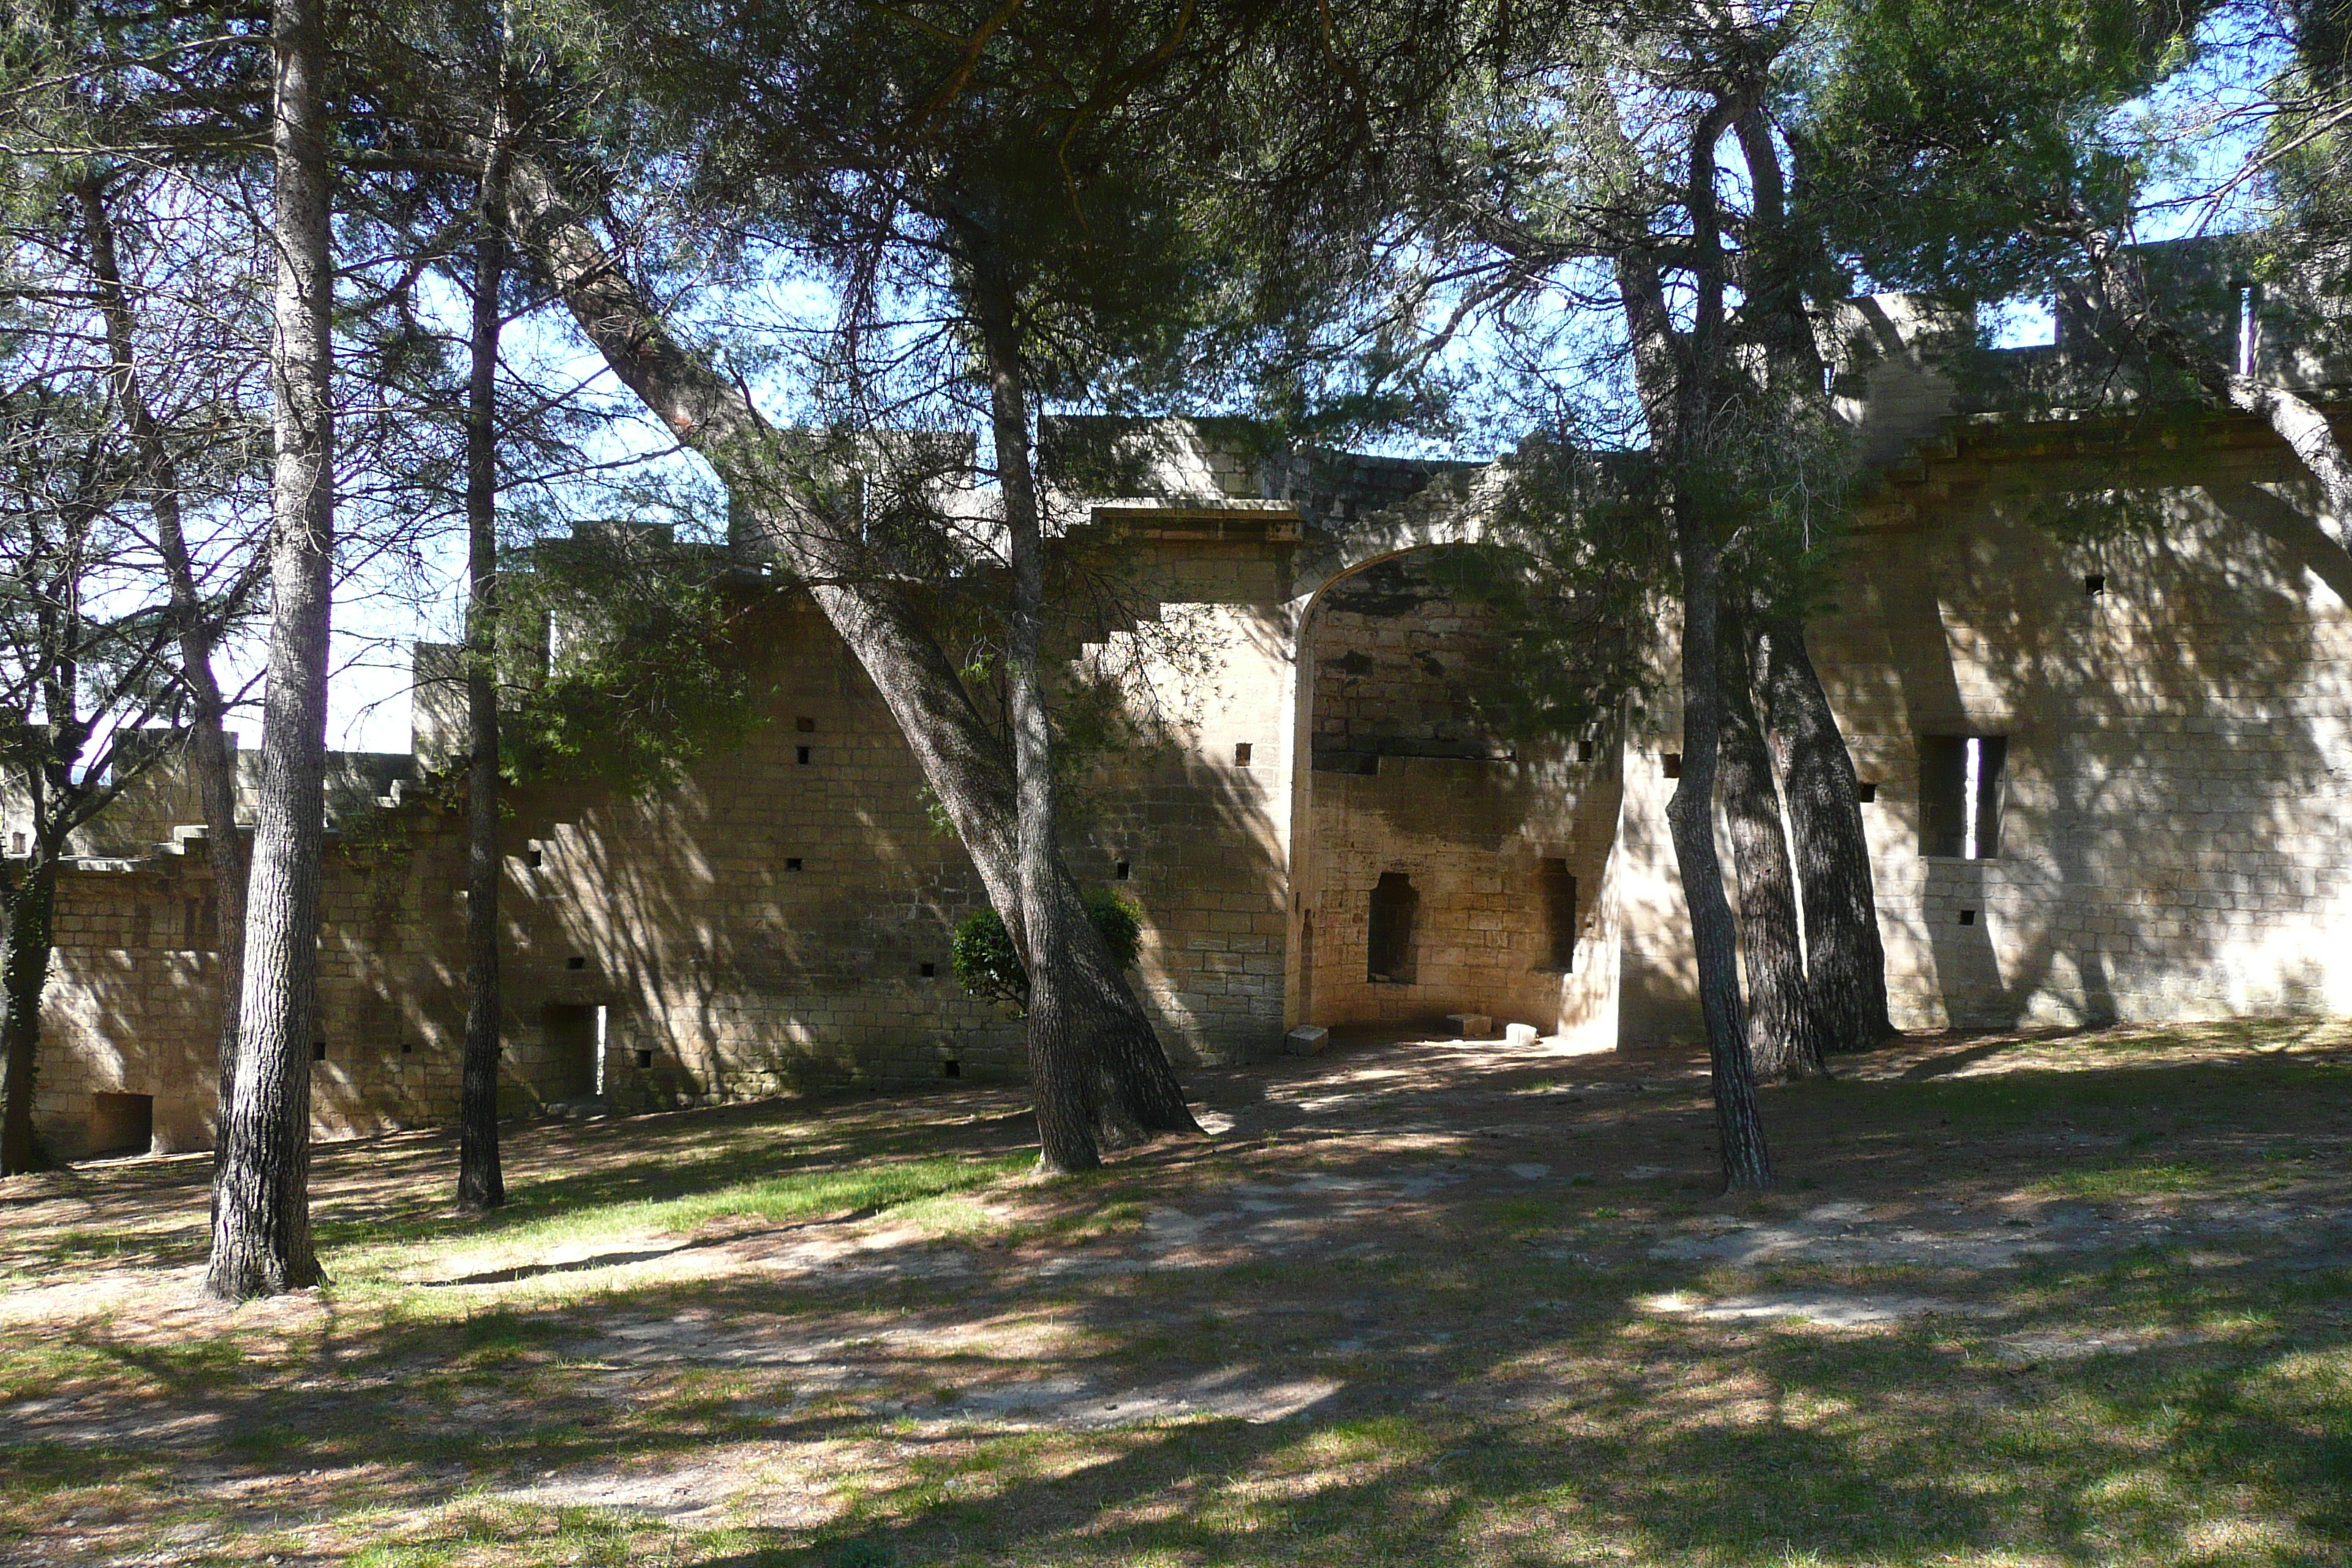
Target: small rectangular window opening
column 1242, row 755
column 952, row 1069
column 575, row 961
column 1673, row 762
column 2093, row 584
column 2243, row 329
column 928, row 970
column 1122, row 871
column 407, row 1048
column 792, row 862
column 800, row 755
column 645, row 1059
column 806, row 726
column 534, row 854
column 1865, row 792
column 15, row 844
column 1968, row 917
column 1959, row 796
column 317, row 1050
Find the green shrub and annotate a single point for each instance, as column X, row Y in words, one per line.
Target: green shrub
column 985, row 963
column 987, row 966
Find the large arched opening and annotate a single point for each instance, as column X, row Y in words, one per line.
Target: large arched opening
column 1438, row 866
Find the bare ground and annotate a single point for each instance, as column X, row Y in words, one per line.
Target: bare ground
column 2018, row 1299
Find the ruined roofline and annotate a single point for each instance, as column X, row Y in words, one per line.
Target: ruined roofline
column 1953, row 459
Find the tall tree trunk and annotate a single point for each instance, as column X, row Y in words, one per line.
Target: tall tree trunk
column 962, row 759
column 1846, row 960
column 209, row 751
column 481, row 1186
column 1784, row 1031
column 261, row 1226
column 1059, row 1078
column 30, row 899
column 1671, row 373
column 1690, row 814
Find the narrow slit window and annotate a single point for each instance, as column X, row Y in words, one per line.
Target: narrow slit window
column 1242, row 755
column 800, row 755
column 1959, row 796
column 1673, row 762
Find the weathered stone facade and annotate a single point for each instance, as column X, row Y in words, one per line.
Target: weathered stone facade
column 1497, row 850
column 2162, row 716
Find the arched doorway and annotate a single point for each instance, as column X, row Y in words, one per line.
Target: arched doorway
column 1437, row 866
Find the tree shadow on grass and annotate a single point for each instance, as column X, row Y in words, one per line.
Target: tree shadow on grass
column 1620, row 1432
column 1492, row 1397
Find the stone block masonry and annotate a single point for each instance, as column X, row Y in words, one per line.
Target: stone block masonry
column 1321, row 830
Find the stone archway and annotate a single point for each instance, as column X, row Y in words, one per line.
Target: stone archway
column 1399, row 793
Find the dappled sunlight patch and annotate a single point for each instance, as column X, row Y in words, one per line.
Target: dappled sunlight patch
column 2147, row 1179
column 1821, row 1308
column 1358, row 1331
column 2312, row 1389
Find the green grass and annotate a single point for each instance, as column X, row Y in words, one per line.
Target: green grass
column 784, row 1198
column 2144, row 1179
column 2141, row 1405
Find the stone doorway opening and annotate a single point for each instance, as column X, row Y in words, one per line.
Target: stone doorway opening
column 1556, row 887
column 121, row 1124
column 574, row 1033
column 1388, row 937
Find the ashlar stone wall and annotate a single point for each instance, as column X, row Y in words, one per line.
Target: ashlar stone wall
column 781, row 918
column 1495, row 846
column 2172, row 688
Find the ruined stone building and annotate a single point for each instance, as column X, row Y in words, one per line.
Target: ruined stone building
column 2103, row 780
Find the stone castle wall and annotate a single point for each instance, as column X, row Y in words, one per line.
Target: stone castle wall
column 133, row 999
column 2174, row 693
column 2176, row 838
column 782, row 919
column 2173, row 697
